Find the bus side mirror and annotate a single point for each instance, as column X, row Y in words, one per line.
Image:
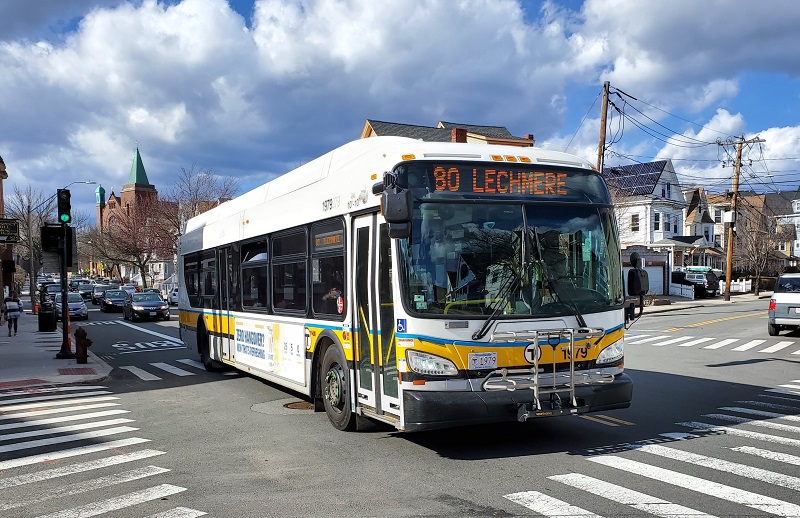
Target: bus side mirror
column 638, row 285
column 396, row 203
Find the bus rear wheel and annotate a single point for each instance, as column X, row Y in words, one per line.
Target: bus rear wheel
column 336, row 390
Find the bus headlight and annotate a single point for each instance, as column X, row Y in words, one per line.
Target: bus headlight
column 611, row 353
column 424, row 363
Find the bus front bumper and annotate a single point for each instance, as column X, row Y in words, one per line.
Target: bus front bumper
column 426, row 410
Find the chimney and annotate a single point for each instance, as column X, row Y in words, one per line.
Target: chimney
column 530, row 137
column 458, row 135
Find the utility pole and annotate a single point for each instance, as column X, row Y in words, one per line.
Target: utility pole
column 601, row 146
column 736, row 168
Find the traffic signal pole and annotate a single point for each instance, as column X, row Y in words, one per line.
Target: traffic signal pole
column 66, row 350
column 64, row 217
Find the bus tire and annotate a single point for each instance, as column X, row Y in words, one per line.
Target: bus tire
column 335, row 383
column 204, row 347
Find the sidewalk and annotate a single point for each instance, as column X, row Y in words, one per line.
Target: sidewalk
column 664, row 303
column 29, row 358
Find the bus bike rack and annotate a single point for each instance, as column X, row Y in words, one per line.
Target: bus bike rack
column 528, row 379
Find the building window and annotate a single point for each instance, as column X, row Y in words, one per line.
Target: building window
column 705, row 234
column 669, row 190
column 657, row 221
column 675, row 226
column 634, row 223
column 717, row 215
column 718, row 241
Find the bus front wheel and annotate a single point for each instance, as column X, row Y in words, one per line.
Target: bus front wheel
column 336, row 390
column 204, row 347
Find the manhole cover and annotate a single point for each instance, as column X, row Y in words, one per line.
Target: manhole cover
column 299, row 405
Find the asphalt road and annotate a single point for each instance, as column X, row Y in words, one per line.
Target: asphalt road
column 713, row 428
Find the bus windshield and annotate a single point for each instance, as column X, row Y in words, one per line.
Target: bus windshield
column 513, row 260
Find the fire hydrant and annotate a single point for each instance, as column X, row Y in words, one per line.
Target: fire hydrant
column 81, row 345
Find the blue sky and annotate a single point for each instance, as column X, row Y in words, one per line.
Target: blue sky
column 253, row 88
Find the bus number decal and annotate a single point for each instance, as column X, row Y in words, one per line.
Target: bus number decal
column 331, row 203
column 580, row 353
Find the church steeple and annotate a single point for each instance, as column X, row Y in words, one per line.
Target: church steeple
column 138, row 174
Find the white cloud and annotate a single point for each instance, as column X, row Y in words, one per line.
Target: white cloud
column 193, row 82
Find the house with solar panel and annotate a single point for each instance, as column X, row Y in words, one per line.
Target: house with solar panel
column 668, row 225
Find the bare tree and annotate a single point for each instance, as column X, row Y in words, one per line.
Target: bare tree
column 757, row 235
column 194, row 192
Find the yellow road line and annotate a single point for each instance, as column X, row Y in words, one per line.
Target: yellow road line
column 706, row 322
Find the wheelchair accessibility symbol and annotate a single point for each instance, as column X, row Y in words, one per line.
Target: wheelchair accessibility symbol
column 401, row 325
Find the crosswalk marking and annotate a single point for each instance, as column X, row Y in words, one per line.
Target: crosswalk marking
column 88, row 485
column 754, row 422
column 777, row 347
column 637, row 341
column 749, row 345
column 194, row 363
column 67, row 438
column 706, row 487
column 60, row 410
column 773, row 406
column 46, row 390
column 62, row 429
column 625, row 496
column 141, row 373
column 741, row 433
column 72, row 469
column 695, row 342
column 788, row 386
column 761, row 413
column 117, row 503
column 52, row 398
column 62, row 419
column 689, row 341
column 771, row 455
column 25, row 406
column 721, row 343
column 549, row 506
column 72, row 452
column 741, row 470
column 674, row 340
column 179, row 512
column 172, row 370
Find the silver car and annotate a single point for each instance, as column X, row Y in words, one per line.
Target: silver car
column 784, row 306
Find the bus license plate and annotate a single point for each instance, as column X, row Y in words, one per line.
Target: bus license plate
column 481, row 361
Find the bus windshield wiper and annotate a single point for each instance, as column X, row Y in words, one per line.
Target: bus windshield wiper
column 552, row 285
column 502, row 299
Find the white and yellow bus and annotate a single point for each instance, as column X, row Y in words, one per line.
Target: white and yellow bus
column 420, row 284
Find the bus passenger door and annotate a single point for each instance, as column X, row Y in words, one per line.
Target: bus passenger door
column 373, row 317
column 224, row 322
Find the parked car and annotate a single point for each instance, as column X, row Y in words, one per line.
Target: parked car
column 172, row 298
column 145, row 305
column 706, row 284
column 75, row 304
column 784, row 305
column 113, row 300
column 97, row 292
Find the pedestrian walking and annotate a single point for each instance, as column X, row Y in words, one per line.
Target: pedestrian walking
column 12, row 309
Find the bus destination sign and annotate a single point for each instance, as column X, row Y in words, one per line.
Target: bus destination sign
column 485, row 180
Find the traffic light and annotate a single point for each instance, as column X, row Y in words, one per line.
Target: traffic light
column 64, row 206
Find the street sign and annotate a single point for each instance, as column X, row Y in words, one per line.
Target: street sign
column 9, row 231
